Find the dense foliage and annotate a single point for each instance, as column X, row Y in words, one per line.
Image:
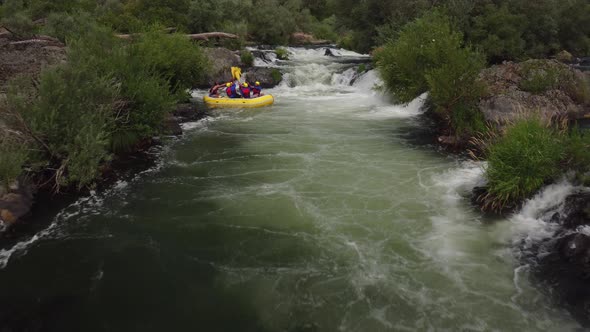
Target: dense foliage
column 502, row 29
column 522, row 160
column 110, row 95
column 427, row 56
column 530, row 154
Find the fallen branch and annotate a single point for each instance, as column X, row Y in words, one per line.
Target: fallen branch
column 197, row 36
column 37, row 41
column 205, row 36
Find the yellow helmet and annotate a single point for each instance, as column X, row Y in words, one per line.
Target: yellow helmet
column 257, row 83
column 228, row 84
column 245, row 85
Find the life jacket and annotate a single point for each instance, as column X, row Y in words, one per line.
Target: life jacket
column 256, row 90
column 231, row 91
column 245, row 92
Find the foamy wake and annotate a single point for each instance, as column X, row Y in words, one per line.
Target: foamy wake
column 533, row 222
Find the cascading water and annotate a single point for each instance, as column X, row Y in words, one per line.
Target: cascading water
column 316, row 214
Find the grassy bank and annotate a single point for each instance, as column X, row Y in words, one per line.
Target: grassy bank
column 109, row 96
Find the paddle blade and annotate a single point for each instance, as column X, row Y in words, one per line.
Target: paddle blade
column 236, row 72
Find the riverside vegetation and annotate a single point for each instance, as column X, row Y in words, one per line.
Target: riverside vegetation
column 60, row 129
column 523, row 155
column 127, row 88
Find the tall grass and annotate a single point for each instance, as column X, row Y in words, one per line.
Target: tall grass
column 522, row 161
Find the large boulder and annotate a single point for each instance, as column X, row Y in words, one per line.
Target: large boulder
column 510, row 98
column 221, row 60
column 268, row 77
column 16, row 201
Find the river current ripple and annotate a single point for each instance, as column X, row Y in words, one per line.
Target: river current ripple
column 320, row 213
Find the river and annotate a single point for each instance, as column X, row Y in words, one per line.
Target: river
column 324, row 212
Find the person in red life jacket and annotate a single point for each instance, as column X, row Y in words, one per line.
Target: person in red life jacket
column 214, row 91
column 245, row 90
column 256, row 90
column 231, row 91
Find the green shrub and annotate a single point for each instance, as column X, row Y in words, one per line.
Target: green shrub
column 68, row 116
column 361, row 68
column 282, row 53
column 271, row 23
column 276, row 75
column 577, row 149
column 461, row 70
column 246, row 58
column 325, row 29
column 64, row 26
column 499, row 33
column 20, row 24
column 174, row 57
column 522, row 161
column 107, row 97
column 424, row 45
column 428, row 56
column 13, row 155
column 539, row 76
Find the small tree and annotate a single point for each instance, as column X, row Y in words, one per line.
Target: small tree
column 429, row 55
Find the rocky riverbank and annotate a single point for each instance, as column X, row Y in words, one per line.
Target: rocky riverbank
column 556, row 93
column 28, row 59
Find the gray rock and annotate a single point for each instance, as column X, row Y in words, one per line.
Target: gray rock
column 220, row 60
column 266, row 76
column 506, row 101
column 16, row 202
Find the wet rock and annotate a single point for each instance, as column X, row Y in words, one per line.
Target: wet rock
column 328, row 52
column 268, row 77
column 506, row 101
column 575, row 248
column 187, row 112
column 577, row 210
column 221, row 60
column 16, row 201
column 171, row 126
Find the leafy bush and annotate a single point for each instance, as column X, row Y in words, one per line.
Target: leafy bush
column 574, row 30
column 325, row 29
column 428, row 56
column 276, row 75
column 107, row 97
column 68, row 115
column 539, row 76
column 524, row 159
column 422, row 46
column 174, row 57
column 64, row 26
column 13, row 155
column 19, row 23
column 271, row 23
column 577, row 147
column 246, row 58
column 454, row 82
column 499, row 33
column 282, row 53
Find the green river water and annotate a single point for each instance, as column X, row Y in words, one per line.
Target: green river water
column 320, row 213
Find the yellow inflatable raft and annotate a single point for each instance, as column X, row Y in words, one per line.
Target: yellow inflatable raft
column 262, row 101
